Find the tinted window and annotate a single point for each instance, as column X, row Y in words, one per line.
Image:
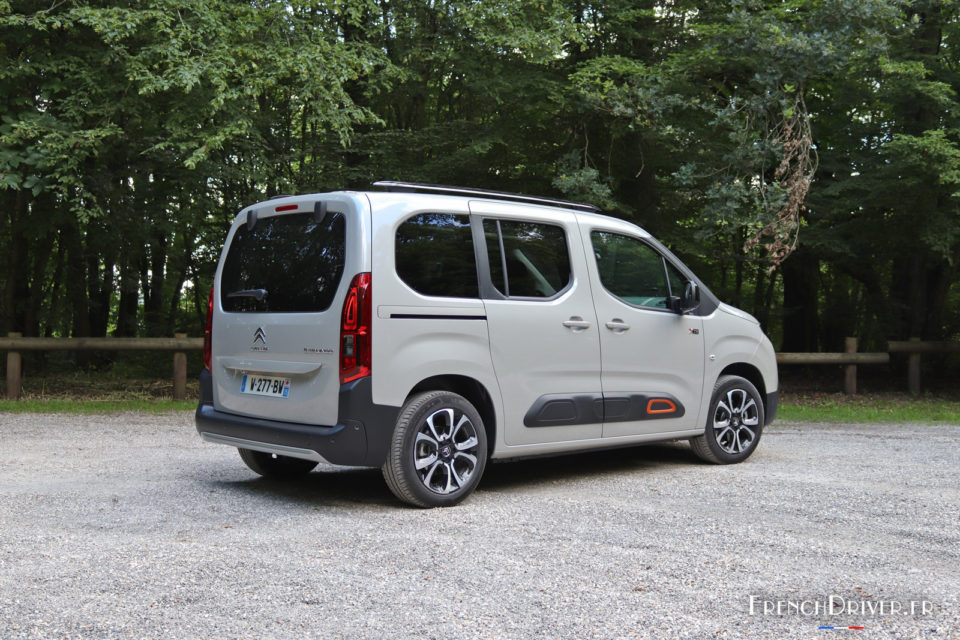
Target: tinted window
column 527, row 259
column 631, row 270
column 289, row 262
column 434, row 255
column 677, row 280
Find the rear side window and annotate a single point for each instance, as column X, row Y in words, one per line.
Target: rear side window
column 634, row 271
column 434, row 255
column 527, row 259
column 286, row 263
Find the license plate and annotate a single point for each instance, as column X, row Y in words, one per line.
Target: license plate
column 265, row 386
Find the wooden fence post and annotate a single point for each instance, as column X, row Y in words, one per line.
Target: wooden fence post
column 14, row 369
column 913, row 370
column 850, row 380
column 179, row 372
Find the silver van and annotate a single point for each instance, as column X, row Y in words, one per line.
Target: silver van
column 426, row 330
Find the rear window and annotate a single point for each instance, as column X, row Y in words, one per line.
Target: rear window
column 527, row 259
column 286, row 263
column 434, row 253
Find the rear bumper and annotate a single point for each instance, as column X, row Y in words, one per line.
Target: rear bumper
column 361, row 436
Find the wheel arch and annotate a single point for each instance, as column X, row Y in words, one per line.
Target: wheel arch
column 473, row 391
column 751, row 373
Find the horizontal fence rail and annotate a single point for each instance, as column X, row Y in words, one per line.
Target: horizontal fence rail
column 915, row 346
column 851, row 358
column 101, row 344
column 14, row 343
column 833, row 358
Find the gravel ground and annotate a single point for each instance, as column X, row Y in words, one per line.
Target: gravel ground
column 130, row 526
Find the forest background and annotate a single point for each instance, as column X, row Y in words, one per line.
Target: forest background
column 802, row 156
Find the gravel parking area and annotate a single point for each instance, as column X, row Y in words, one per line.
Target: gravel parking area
column 130, row 526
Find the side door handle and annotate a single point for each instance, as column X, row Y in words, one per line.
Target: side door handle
column 576, row 323
column 618, row 326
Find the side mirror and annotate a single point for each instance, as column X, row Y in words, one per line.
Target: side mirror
column 691, row 297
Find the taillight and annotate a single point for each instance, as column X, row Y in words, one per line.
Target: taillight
column 355, row 329
column 208, row 334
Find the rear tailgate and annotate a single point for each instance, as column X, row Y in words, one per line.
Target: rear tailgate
column 279, row 294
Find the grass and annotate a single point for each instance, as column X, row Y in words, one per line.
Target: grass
column 98, row 393
column 875, row 408
column 92, row 393
column 96, row 406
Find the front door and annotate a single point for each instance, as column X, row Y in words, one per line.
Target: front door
column 651, row 357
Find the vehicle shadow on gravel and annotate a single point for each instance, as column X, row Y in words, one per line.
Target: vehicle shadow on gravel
column 531, row 472
column 323, row 487
column 342, row 486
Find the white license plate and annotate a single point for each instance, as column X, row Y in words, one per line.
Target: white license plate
column 265, row 386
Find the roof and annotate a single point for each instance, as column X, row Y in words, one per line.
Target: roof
column 415, row 187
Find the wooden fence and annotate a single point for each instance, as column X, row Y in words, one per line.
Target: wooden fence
column 179, row 344
column 851, row 358
column 13, row 344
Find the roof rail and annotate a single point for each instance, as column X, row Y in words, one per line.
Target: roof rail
column 415, row 187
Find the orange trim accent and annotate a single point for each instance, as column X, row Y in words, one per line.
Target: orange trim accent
column 671, row 407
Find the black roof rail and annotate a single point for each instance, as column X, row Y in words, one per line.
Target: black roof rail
column 416, row 187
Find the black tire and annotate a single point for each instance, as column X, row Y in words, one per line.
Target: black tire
column 438, row 452
column 734, row 422
column 271, row 465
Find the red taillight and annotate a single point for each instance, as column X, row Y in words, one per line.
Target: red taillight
column 355, row 326
column 208, row 334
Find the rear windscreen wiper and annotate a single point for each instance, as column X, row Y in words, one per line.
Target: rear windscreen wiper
column 257, row 294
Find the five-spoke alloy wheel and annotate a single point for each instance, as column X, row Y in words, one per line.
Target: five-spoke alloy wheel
column 734, row 422
column 438, row 452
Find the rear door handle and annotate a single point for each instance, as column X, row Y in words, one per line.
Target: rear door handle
column 618, row 326
column 576, row 323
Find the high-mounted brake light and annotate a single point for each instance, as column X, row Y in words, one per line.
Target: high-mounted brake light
column 355, row 329
column 208, row 334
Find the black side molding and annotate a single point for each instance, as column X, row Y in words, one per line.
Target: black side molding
column 558, row 409
column 641, row 406
column 433, row 316
column 563, row 410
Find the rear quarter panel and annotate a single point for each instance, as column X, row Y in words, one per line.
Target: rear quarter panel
column 408, row 347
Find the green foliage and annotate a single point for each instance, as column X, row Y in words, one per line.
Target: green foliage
column 738, row 131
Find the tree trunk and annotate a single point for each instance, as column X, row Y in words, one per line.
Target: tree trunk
column 76, row 282
column 939, row 279
column 41, row 250
column 52, row 321
column 153, row 310
column 800, row 289
column 129, row 301
column 758, row 291
column 17, row 286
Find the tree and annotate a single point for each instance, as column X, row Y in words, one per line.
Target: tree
column 122, row 132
